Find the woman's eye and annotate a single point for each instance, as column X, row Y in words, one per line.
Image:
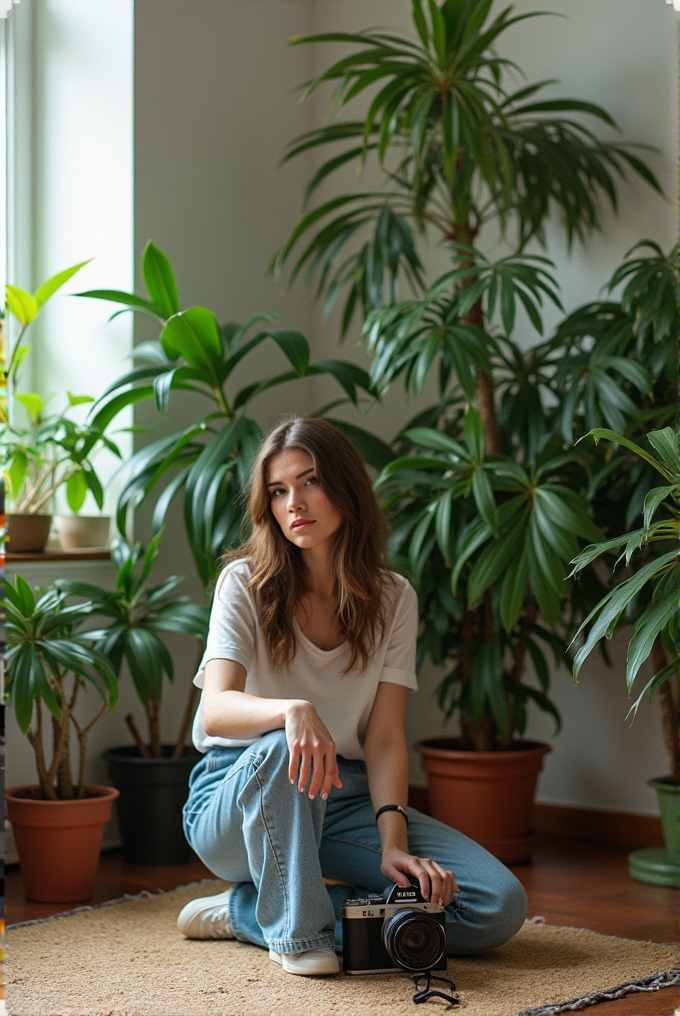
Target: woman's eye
column 312, row 479
column 279, row 490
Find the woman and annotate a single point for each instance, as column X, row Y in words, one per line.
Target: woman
column 305, row 678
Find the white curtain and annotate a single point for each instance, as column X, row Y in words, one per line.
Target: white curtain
column 6, row 7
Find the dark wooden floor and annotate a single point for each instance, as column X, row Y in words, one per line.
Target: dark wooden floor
column 569, row 882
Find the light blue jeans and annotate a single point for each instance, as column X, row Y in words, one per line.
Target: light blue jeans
column 251, row 826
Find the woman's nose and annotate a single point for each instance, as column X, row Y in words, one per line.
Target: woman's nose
column 295, row 499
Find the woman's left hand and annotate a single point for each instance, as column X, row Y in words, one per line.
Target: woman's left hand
column 397, row 864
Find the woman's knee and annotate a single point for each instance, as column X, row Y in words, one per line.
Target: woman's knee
column 272, row 749
column 488, row 917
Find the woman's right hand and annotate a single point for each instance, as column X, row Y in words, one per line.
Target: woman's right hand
column 311, row 750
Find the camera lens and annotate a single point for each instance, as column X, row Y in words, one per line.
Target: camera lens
column 414, row 940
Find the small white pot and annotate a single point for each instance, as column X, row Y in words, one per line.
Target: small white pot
column 83, row 532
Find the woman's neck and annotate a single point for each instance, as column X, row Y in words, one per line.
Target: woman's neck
column 319, row 572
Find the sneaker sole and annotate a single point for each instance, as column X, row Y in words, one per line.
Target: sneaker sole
column 281, row 959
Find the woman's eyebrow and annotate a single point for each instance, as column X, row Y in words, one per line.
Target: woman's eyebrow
column 278, row 483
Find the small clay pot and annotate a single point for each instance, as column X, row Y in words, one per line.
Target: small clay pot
column 27, row 533
column 83, row 532
column 59, row 842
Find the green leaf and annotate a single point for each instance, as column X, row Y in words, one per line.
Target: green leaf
column 33, row 403
column 493, row 561
column 665, row 443
column 514, row 591
column 295, row 348
column 22, row 304
column 474, row 435
column 603, row 432
column 654, row 498
column 78, row 400
column 17, row 472
column 159, row 280
column 131, row 301
column 76, row 490
column 484, row 499
column 50, row 287
column 652, row 622
column 195, row 335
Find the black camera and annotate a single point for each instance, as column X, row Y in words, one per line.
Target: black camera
column 403, row 932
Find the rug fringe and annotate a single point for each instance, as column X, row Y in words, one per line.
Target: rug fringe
column 127, row 898
column 652, row 982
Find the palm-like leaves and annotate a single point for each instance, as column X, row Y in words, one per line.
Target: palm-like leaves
column 457, row 148
column 44, row 646
column 501, row 533
column 651, row 594
column 138, row 616
column 209, row 461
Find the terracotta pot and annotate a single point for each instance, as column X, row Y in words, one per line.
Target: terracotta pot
column 27, row 534
column 59, row 841
column 487, row 795
column 83, row 531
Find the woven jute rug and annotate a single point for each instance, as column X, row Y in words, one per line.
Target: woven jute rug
column 126, row 958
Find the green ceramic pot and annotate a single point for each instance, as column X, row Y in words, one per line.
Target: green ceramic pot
column 668, row 794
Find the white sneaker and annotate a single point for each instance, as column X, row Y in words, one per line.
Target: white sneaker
column 311, row 963
column 207, row 917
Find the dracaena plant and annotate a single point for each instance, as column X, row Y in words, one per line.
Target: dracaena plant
column 137, row 618
column 50, row 664
column 209, row 460
column 647, row 594
column 460, row 147
column 489, row 541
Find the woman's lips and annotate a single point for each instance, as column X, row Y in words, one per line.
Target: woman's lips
column 301, row 524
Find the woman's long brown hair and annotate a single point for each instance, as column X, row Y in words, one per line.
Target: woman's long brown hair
column 359, row 549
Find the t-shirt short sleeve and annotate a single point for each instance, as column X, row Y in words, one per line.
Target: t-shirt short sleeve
column 399, row 666
column 232, row 631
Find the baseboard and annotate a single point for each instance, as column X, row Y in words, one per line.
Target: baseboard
column 578, row 823
column 605, row 826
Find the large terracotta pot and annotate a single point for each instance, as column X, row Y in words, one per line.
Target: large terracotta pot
column 59, row 841
column 27, row 533
column 487, row 795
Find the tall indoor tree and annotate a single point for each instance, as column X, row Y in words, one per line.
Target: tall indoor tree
column 486, row 515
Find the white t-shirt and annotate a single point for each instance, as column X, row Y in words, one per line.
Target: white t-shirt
column 343, row 701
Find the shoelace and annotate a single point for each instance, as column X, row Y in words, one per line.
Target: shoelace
column 217, row 922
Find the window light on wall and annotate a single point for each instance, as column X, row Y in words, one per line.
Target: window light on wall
column 6, row 7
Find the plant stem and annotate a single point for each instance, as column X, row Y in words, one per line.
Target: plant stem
column 139, row 741
column 189, row 708
column 153, row 712
column 82, row 742
column 47, row 792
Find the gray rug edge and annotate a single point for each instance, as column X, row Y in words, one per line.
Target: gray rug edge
column 652, row 982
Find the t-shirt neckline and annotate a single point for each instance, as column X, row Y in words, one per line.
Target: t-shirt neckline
column 313, row 645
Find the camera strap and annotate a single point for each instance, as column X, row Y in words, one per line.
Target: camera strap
column 428, row 992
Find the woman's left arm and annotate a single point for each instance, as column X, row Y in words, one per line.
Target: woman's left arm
column 386, row 758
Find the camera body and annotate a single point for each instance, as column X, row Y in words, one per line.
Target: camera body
column 404, row 932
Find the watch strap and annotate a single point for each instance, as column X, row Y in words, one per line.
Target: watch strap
column 392, row 807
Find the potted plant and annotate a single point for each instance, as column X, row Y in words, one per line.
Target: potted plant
column 52, row 451
column 58, row 824
column 649, row 598
column 152, row 777
column 487, row 509
column 209, row 460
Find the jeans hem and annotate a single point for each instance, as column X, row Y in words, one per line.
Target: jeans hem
column 299, row 945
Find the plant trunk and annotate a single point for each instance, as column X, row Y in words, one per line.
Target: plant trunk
column 153, row 712
column 65, row 790
column 465, row 234
column 190, row 707
column 47, row 791
column 670, row 711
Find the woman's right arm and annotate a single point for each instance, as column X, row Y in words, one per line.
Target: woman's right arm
column 229, row 712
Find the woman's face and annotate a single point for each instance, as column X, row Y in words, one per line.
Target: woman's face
column 306, row 517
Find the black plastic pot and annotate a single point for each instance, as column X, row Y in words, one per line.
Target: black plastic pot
column 152, row 794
